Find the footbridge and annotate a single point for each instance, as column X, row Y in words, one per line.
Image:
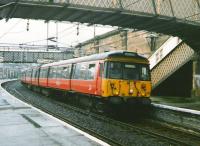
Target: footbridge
column 172, row 17
column 33, row 54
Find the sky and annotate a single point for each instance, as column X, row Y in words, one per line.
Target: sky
column 34, row 32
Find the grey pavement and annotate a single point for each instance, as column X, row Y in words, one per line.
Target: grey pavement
column 22, row 125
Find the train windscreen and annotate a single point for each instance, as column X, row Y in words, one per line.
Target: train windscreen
column 127, row 71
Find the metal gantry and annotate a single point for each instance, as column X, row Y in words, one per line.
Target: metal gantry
column 33, row 56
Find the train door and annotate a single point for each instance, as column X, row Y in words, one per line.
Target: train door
column 43, row 77
column 84, row 77
column 63, row 77
column 99, row 78
column 71, row 75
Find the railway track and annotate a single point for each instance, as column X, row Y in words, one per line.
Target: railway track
column 132, row 126
column 109, row 130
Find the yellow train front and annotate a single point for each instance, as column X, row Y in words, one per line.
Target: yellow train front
column 126, row 79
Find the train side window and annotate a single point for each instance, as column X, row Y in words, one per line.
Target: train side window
column 33, row 73
column 91, row 71
column 59, row 72
column 46, row 72
column 36, row 74
column 73, row 71
column 28, row 73
column 52, row 72
column 43, row 72
column 80, row 71
column 66, row 71
column 83, row 74
column 76, row 71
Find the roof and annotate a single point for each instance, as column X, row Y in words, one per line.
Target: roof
column 94, row 57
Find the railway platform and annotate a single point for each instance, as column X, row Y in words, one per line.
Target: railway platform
column 24, row 125
column 192, row 103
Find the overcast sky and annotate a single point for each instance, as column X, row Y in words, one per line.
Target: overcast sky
column 15, row 32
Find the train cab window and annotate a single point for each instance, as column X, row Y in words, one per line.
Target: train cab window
column 127, row 71
column 115, row 70
column 91, row 72
column 131, row 71
column 145, row 75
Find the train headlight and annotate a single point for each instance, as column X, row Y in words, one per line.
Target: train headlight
column 116, row 93
column 131, row 91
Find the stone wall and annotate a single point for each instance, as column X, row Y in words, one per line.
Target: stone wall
column 120, row 40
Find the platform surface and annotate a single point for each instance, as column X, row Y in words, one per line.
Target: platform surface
column 22, row 125
column 192, row 103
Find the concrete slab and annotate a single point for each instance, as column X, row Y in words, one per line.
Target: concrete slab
column 20, row 130
column 3, row 102
column 65, row 135
column 42, row 120
column 22, row 125
column 28, row 140
column 11, row 118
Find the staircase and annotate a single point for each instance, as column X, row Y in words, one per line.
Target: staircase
column 170, row 57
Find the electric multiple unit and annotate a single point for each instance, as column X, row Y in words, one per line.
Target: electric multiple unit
column 115, row 77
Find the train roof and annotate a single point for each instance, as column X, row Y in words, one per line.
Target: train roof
column 95, row 57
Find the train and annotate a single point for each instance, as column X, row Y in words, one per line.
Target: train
column 110, row 78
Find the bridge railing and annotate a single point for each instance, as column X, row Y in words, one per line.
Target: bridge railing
column 188, row 10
